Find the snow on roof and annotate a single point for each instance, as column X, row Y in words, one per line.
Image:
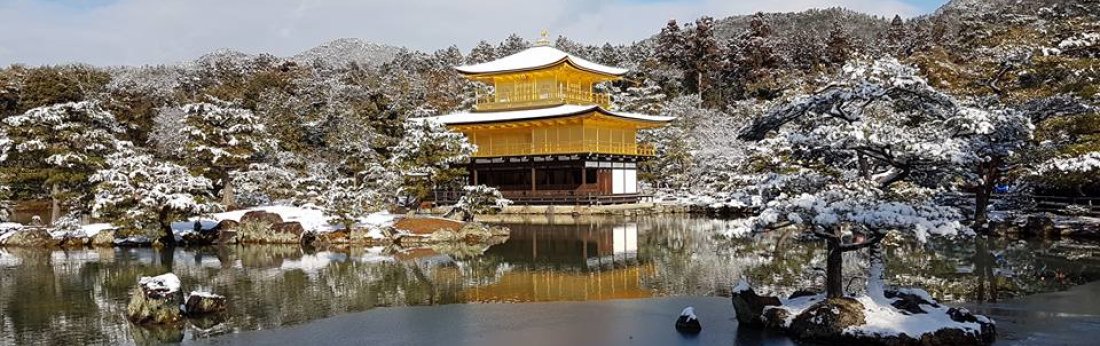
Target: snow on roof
column 536, row 58
column 540, row 113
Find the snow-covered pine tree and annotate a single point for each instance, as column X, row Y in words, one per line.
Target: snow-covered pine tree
column 137, row 191
column 482, row 52
column 703, row 59
column 512, row 45
column 838, row 45
column 429, row 156
column 647, row 97
column 220, row 139
column 478, row 199
column 57, row 147
column 671, row 45
column 865, row 156
column 346, row 200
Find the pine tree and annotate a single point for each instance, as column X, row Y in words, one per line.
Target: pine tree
column 512, row 45
column 139, row 192
column 58, row 147
column 221, row 139
column 756, row 61
column 671, row 45
column 482, row 52
column 569, row 46
column 702, row 52
column 897, row 37
column 429, row 156
column 838, row 46
column 610, row 55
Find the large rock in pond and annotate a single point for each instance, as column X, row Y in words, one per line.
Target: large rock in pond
column 749, row 306
column 155, row 300
column 825, row 321
column 203, row 303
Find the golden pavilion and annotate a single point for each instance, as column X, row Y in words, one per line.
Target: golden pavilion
column 544, row 135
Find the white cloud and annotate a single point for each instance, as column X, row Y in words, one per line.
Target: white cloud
column 165, row 31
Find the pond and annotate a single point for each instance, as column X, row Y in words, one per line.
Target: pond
column 79, row 296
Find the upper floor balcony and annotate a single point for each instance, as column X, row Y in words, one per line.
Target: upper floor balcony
column 525, row 98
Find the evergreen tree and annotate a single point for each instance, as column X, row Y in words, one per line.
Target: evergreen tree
column 512, row 45
column 896, row 37
column 139, row 192
column 569, row 46
column 429, row 156
column 57, row 147
column 671, row 45
column 610, row 55
column 482, row 52
column 702, row 53
column 220, row 139
column 838, row 46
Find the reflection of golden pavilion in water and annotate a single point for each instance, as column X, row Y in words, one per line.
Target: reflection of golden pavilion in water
column 577, row 262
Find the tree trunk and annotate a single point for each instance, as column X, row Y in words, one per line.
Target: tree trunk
column 228, row 199
column 55, row 204
column 168, row 238
column 834, row 278
column 875, row 285
column 990, row 173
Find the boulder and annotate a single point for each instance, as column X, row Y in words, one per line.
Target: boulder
column 988, row 327
column 749, row 306
column 260, row 216
column 688, row 323
column 775, row 318
column 329, row 238
column 206, row 237
column 203, row 303
column 104, row 238
column 826, row 320
column 263, row 233
column 155, row 300
column 909, row 301
column 32, row 237
column 226, row 225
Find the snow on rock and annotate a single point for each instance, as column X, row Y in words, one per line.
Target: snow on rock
column 8, row 229
column 688, row 312
column 741, row 286
column 91, row 230
column 163, row 284
column 885, row 320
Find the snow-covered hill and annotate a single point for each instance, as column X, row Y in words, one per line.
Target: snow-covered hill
column 345, row 50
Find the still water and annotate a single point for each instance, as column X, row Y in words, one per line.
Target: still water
column 79, row 296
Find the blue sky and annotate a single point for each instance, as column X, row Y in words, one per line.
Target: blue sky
column 134, row 32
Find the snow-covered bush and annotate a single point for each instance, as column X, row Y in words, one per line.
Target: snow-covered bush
column 221, row 139
column 139, row 192
column 61, row 145
column 479, row 199
column 428, row 156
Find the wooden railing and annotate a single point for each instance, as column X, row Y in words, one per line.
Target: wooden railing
column 505, row 101
column 571, row 147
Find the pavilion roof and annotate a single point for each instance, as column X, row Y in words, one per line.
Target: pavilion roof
column 464, row 118
column 536, row 58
